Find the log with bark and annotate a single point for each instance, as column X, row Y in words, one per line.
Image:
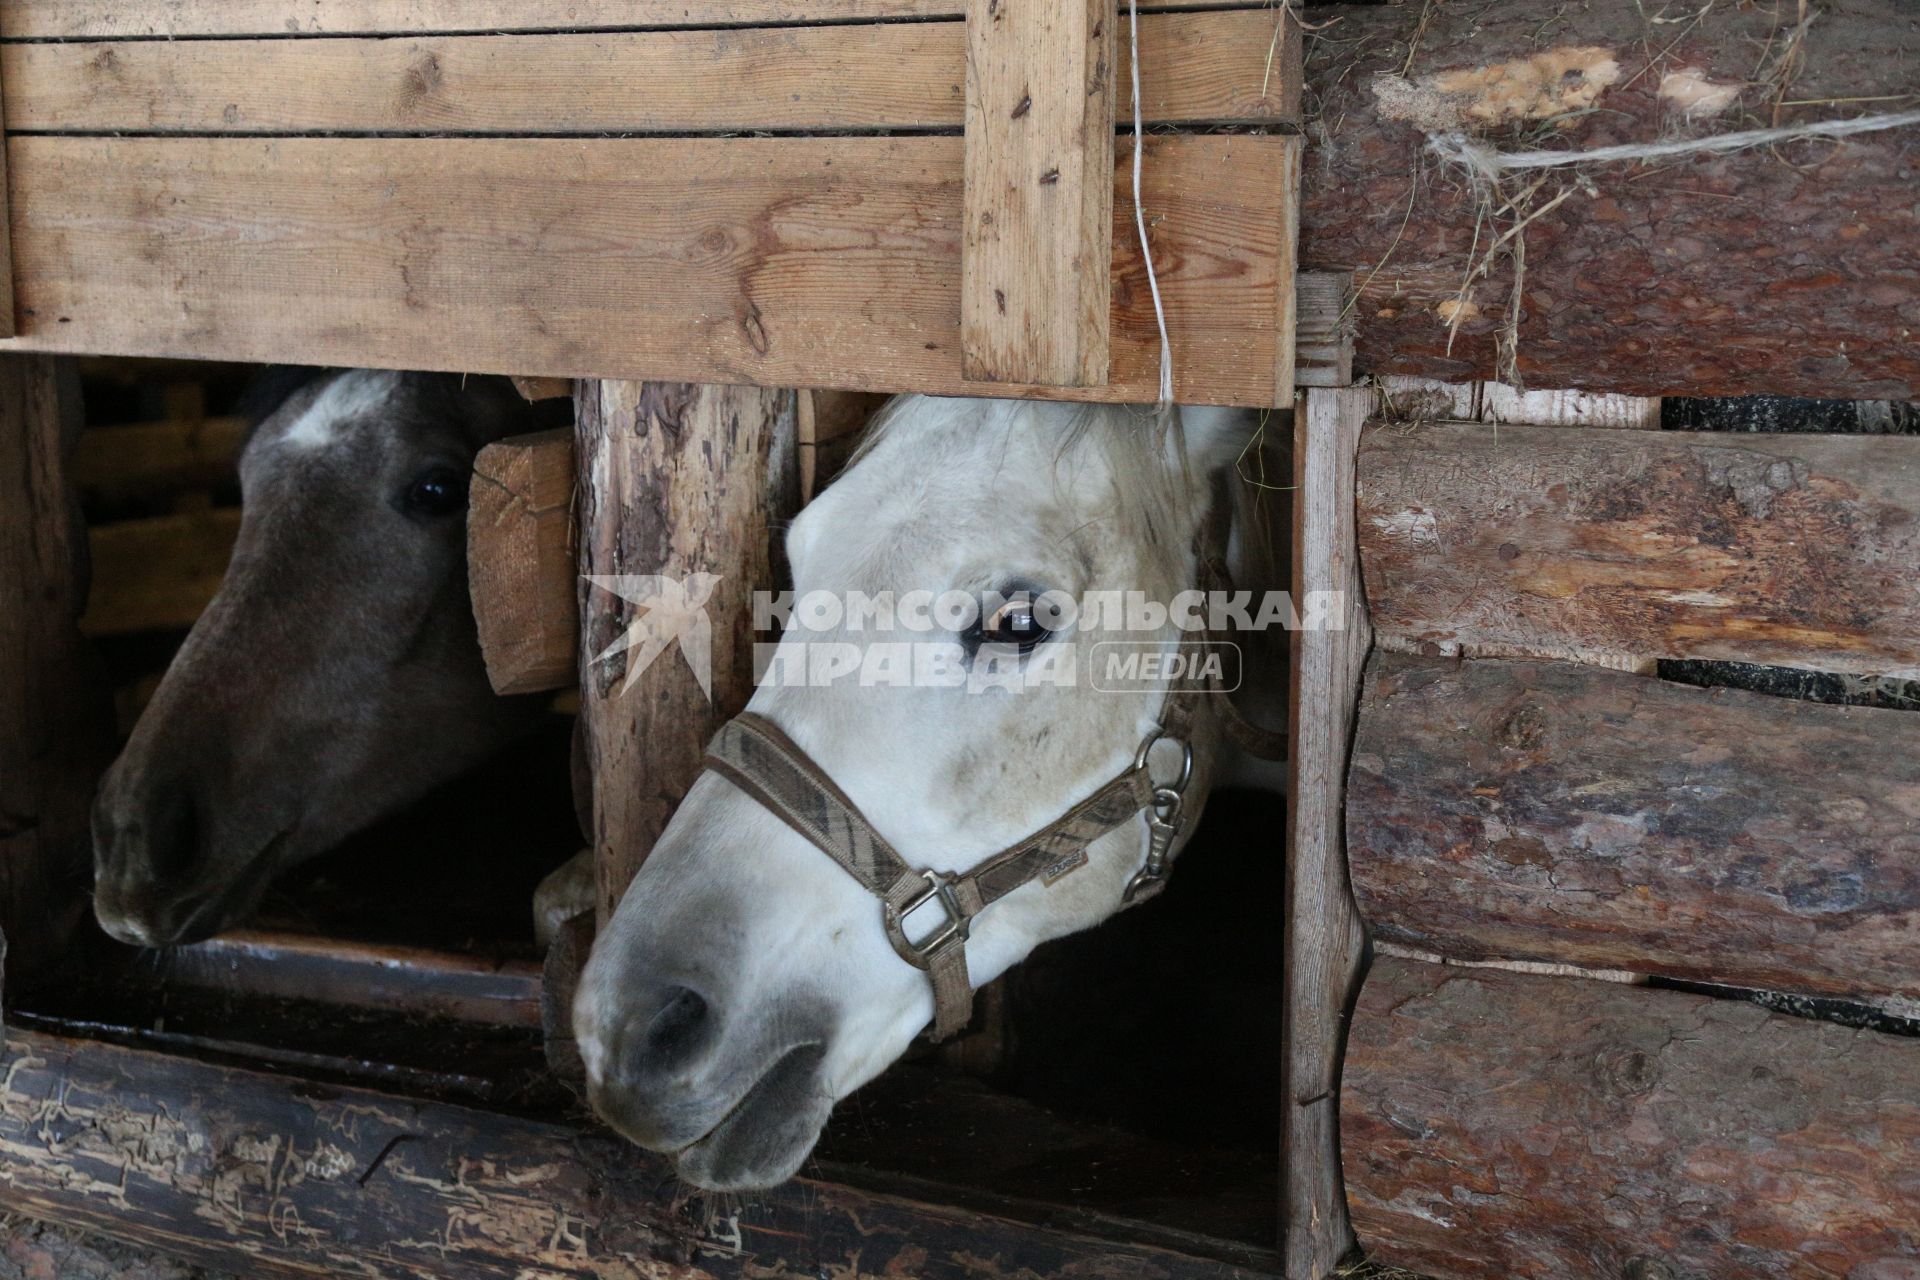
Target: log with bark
column 1553, row 812
column 1793, row 268
column 1503, row 1124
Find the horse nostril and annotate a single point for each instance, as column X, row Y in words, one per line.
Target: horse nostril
column 665, row 1044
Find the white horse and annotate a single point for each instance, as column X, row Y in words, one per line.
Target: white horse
column 748, row 981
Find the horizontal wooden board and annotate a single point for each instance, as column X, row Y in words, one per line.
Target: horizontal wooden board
column 278, row 1177
column 1194, row 67
column 1501, row 1124
column 157, row 574
column 1553, row 812
column 123, row 19
column 783, row 262
column 1797, row 550
column 151, row 458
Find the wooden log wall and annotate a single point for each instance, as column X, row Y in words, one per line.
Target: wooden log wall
column 55, row 715
column 1788, row 269
column 1553, row 812
column 1506, row 1124
column 788, row 261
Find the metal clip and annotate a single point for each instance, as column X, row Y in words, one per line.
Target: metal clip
column 1165, row 820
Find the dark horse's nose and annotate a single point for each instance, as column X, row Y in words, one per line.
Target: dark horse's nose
column 146, row 842
column 664, row 1041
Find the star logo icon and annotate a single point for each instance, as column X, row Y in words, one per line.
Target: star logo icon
column 666, row 611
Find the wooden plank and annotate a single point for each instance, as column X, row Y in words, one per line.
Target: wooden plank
column 685, row 484
column 1323, row 330
column 1791, row 550
column 1549, row 812
column 783, row 262
column 520, row 561
column 1504, row 1124
column 55, row 713
column 1195, row 67
column 278, row 1178
column 1038, row 216
column 158, row 574
column 1323, row 939
column 168, row 19
column 8, row 320
column 535, row 388
column 830, row 425
column 147, row 459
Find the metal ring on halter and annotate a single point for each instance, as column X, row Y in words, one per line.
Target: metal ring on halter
column 1186, row 759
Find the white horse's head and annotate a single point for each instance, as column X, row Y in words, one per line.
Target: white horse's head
column 746, row 983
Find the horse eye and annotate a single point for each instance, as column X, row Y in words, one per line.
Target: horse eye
column 437, row 492
column 1018, row 622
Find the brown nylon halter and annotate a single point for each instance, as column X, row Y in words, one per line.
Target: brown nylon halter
column 755, row 755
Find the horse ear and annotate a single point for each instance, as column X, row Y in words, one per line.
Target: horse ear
column 1215, row 438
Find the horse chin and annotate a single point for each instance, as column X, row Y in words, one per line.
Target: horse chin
column 768, row 1134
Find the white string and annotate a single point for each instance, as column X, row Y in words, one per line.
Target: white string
column 1486, row 162
column 1140, row 213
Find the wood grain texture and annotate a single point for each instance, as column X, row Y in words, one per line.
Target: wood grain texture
column 1323, row 331
column 287, row 1179
column 55, row 712
column 1037, row 213
column 1551, row 812
column 1323, row 939
column 158, row 574
column 782, row 262
column 149, row 459
column 1511, row 1125
column 1791, row 550
column 687, row 483
column 63, row 20
column 520, row 561
column 1792, row 273
column 1195, row 67
column 830, row 426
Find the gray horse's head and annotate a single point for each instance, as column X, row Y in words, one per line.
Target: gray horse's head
column 337, row 674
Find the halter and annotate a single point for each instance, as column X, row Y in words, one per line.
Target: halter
column 756, row 756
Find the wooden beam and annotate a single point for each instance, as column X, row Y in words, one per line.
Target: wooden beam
column 239, row 1169
column 520, row 561
column 169, row 19
column 708, row 260
column 1322, row 935
column 1038, row 216
column 1207, row 67
column 685, row 485
column 158, row 574
column 1505, row 1124
column 1323, row 330
column 1667, row 544
column 55, row 714
column 534, row 389
column 1550, row 812
column 830, row 425
column 147, row 459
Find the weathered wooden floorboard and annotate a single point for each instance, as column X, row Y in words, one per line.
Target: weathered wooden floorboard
column 274, row 1177
column 1551, row 812
column 1501, row 1124
column 774, row 261
column 1195, row 67
column 1791, row 550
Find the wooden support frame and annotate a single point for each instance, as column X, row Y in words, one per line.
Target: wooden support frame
column 1323, row 938
column 1035, row 265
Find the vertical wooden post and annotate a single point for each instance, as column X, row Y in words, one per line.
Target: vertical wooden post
column 1037, row 255
column 55, row 721
column 683, row 484
column 1323, row 934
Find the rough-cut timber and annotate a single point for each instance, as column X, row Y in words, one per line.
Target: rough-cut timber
column 1554, row 812
column 681, row 488
column 776, row 261
column 1794, row 269
column 61, row 19
column 1195, row 67
column 55, row 720
column 303, row 1180
column 520, row 561
column 1038, row 209
column 158, row 574
column 1323, row 935
column 144, row 460
column 1503, row 1124
column 1791, row 550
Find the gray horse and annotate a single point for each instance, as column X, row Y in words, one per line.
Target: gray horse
column 336, row 676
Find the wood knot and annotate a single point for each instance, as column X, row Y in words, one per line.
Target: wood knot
column 1641, row 1267
column 1523, row 729
column 1627, row 1072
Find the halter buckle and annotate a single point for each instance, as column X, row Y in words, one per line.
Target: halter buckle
column 940, row 888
